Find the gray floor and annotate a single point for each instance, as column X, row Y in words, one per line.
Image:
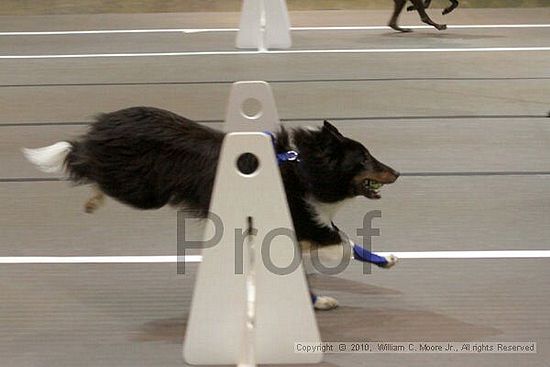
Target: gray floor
column 467, row 129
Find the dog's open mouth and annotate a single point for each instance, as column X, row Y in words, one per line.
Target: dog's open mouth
column 368, row 184
column 372, row 189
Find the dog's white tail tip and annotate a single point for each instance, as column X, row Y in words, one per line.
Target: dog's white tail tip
column 49, row 159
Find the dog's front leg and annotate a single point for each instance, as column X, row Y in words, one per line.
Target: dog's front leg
column 321, row 303
column 324, row 303
column 398, row 7
column 363, row 254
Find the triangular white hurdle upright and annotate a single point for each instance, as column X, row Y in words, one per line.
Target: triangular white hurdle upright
column 243, row 310
column 264, row 24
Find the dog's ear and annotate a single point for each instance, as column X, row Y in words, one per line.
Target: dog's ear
column 332, row 131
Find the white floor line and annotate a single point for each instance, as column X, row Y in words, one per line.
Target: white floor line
column 120, row 31
column 278, row 52
column 491, row 254
column 298, row 29
column 458, row 26
column 507, row 254
column 97, row 259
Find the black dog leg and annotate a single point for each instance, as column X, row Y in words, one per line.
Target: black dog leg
column 424, row 16
column 427, row 4
column 398, row 7
column 453, row 6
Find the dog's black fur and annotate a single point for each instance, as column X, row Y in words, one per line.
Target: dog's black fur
column 427, row 3
column 147, row 157
column 420, row 7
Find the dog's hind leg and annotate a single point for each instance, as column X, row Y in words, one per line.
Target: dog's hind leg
column 398, row 7
column 453, row 6
column 425, row 17
column 96, row 201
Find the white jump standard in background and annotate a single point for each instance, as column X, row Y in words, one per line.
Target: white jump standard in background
column 264, row 24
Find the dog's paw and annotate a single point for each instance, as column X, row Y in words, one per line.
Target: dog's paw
column 411, row 8
column 325, row 303
column 398, row 28
column 93, row 204
column 90, row 206
column 391, row 261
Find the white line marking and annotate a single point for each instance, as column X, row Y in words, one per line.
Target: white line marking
column 460, row 26
column 298, row 29
column 119, row 31
column 503, row 254
column 510, row 254
column 97, row 259
column 278, row 52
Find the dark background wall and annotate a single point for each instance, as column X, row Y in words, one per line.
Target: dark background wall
column 30, row 7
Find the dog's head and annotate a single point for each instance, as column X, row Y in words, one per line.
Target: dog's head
column 339, row 167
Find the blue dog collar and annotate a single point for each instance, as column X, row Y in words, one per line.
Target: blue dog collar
column 287, row 156
column 362, row 254
column 291, row 155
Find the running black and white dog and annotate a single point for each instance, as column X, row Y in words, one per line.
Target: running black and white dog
column 147, row 158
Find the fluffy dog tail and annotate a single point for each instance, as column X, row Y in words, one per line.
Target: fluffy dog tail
column 49, row 159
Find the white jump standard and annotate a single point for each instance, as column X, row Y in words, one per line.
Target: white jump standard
column 264, row 25
column 264, row 313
